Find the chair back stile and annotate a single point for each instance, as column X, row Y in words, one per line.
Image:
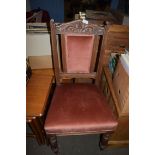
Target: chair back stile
column 80, row 50
column 55, row 52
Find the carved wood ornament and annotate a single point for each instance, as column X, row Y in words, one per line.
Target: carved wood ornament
column 78, row 26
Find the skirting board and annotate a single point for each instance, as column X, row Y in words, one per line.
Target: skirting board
column 40, row 62
column 117, row 144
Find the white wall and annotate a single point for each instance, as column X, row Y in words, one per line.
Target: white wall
column 38, row 44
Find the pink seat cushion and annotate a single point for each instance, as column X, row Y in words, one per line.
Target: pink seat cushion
column 78, row 52
column 79, row 108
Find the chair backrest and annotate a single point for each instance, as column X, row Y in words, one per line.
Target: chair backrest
column 77, row 50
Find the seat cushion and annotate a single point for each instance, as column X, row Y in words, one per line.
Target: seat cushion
column 79, row 108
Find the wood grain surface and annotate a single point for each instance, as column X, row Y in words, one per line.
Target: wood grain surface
column 37, row 91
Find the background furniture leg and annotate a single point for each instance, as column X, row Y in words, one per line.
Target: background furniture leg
column 34, row 130
column 39, row 128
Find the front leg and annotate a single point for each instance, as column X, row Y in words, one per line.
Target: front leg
column 104, row 140
column 52, row 140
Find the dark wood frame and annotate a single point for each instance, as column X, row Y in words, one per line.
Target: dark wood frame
column 80, row 28
column 36, row 126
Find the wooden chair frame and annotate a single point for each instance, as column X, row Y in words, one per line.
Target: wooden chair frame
column 78, row 27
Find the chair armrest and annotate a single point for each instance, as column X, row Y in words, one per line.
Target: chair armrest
column 108, row 77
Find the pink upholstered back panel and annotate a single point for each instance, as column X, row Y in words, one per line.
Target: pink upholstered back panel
column 78, row 52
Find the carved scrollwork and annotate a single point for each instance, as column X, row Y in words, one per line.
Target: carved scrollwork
column 79, row 27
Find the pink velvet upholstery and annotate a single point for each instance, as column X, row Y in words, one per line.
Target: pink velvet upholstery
column 78, row 52
column 79, row 108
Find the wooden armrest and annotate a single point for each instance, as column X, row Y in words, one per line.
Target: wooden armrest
column 108, row 77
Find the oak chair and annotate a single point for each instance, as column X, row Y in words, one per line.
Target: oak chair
column 78, row 108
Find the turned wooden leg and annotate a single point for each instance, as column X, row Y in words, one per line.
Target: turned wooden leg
column 104, row 140
column 53, row 143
